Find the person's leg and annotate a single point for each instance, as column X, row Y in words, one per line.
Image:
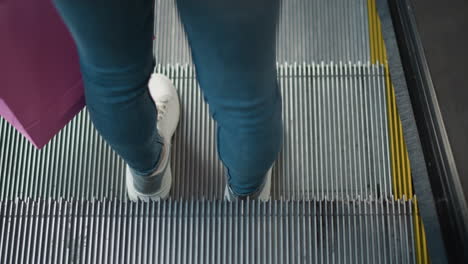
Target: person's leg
column 114, row 40
column 233, row 48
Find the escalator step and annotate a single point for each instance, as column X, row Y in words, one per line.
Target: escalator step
column 332, row 188
column 206, row 232
column 309, row 31
column 335, row 144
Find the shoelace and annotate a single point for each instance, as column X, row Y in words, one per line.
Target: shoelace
column 161, row 107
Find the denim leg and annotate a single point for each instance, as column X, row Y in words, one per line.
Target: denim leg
column 233, row 48
column 114, row 41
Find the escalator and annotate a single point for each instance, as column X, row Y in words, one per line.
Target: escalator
column 351, row 185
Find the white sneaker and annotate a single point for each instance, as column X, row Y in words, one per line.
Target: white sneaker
column 158, row 185
column 167, row 102
column 262, row 194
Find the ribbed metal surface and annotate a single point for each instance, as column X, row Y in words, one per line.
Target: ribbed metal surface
column 196, row 168
column 206, row 232
column 309, row 31
column 334, row 165
column 335, row 144
column 76, row 163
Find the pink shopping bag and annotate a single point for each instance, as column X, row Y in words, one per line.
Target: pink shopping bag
column 40, row 82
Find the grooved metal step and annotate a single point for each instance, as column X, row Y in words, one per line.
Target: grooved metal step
column 335, row 144
column 309, row 31
column 206, row 232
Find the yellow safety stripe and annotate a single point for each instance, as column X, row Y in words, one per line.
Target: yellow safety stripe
column 401, row 171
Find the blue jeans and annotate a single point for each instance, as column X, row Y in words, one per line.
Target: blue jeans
column 233, row 48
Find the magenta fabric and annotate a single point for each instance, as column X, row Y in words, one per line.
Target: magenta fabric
column 40, row 81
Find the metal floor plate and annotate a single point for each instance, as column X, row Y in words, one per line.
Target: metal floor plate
column 206, row 232
column 309, row 31
column 335, row 144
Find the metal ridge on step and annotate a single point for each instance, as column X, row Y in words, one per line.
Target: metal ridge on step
column 113, row 231
column 335, row 144
column 309, row 31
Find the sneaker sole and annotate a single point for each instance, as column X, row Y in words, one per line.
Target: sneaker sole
column 264, row 195
column 161, row 194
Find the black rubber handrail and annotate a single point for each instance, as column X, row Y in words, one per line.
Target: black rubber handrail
column 444, row 179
